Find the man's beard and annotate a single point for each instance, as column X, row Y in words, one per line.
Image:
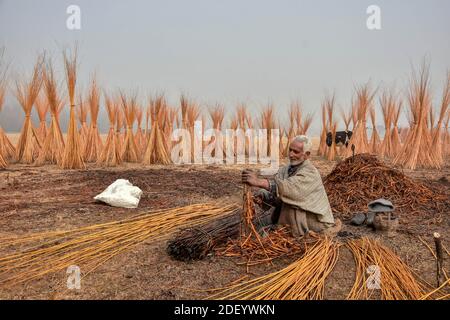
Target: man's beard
column 296, row 162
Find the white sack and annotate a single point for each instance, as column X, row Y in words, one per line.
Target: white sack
column 121, row 194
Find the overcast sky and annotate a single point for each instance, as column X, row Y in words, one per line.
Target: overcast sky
column 252, row 51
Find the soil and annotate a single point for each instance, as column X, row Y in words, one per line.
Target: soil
column 36, row 199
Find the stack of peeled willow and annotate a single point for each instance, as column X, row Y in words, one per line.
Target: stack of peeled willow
column 357, row 180
column 392, row 276
column 33, row 256
column 301, row 280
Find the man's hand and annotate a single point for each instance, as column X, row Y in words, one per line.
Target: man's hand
column 251, row 178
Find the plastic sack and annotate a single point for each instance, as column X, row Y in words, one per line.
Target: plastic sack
column 121, row 194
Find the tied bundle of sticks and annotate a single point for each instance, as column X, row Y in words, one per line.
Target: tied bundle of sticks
column 157, row 151
column 53, row 143
column 36, row 255
column 27, row 149
column 197, row 242
column 389, row 273
column 301, row 280
column 255, row 248
column 72, row 157
column 358, row 180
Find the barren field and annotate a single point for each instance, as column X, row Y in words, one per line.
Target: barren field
column 36, row 199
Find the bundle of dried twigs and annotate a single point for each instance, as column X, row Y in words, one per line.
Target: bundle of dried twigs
column 301, row 280
column 33, row 256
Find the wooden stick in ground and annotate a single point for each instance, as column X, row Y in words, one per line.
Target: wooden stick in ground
column 439, row 256
column 248, row 212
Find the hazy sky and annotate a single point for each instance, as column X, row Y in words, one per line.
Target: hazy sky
column 230, row 51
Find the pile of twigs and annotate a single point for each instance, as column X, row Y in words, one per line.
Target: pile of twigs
column 301, row 280
column 393, row 277
column 275, row 244
column 254, row 247
column 356, row 181
column 34, row 256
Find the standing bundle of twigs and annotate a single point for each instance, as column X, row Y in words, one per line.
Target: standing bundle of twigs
column 306, row 124
column 346, row 118
column 395, row 133
column 359, row 137
column 301, row 280
column 190, row 111
column 130, row 151
column 53, row 146
column 3, row 139
column 294, row 112
column 416, row 149
column 141, row 141
column 26, row 92
column 390, row 108
column 42, row 110
column 82, row 112
column 375, row 138
column 89, row 247
column 157, row 151
column 391, row 274
column 7, row 149
column 436, row 132
column 111, row 155
column 323, row 133
column 93, row 146
column 217, row 115
column 268, row 123
column 72, row 156
column 331, row 151
column 445, row 137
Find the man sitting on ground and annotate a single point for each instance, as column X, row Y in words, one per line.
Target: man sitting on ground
column 297, row 193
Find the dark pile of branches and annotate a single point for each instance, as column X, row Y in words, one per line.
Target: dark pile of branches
column 197, row 242
column 358, row 180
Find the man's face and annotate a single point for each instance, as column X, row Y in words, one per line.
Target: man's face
column 296, row 154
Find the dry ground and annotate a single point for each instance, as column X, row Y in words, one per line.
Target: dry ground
column 34, row 199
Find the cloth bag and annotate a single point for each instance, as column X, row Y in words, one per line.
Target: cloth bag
column 121, row 194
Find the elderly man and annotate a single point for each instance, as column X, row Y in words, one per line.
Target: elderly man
column 296, row 192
